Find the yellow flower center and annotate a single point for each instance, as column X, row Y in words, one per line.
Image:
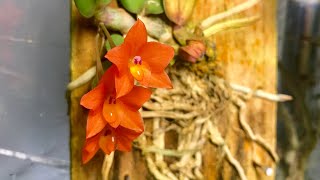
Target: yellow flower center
column 136, row 68
column 110, row 106
column 137, row 72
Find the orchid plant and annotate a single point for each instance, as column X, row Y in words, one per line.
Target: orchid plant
column 137, row 65
column 114, row 120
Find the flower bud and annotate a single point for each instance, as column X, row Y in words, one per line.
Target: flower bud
column 115, row 18
column 194, row 50
column 178, row 11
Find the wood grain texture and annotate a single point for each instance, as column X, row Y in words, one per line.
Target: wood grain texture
column 248, row 57
column 82, row 58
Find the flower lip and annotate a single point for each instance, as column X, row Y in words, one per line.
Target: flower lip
column 137, row 60
column 110, row 132
column 137, row 72
column 112, row 100
column 127, row 59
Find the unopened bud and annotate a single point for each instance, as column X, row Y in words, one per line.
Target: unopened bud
column 178, row 11
column 194, row 50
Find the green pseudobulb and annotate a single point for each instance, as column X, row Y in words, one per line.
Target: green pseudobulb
column 87, row 8
column 153, row 7
column 133, row 6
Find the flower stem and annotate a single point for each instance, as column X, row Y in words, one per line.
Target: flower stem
column 237, row 23
column 107, row 34
column 99, row 68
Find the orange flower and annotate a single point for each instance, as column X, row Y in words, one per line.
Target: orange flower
column 105, row 108
column 109, row 139
column 141, row 60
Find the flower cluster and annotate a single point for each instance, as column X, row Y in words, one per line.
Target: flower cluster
column 114, row 120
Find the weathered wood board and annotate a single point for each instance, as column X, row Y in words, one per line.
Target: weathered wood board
column 248, row 57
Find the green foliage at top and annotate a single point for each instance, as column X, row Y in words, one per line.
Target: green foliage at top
column 153, row 7
column 87, row 8
column 117, row 39
column 133, row 6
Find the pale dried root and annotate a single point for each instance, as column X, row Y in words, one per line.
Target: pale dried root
column 106, row 166
column 249, row 132
column 232, row 11
column 188, row 108
column 216, row 138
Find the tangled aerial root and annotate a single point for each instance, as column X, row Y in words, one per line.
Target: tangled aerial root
column 190, row 111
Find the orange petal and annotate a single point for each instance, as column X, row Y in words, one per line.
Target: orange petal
column 136, row 97
column 110, row 114
column 131, row 119
column 121, row 114
column 95, row 122
column 124, row 83
column 157, row 55
column 108, row 79
column 115, row 124
column 130, row 134
column 114, row 114
column 120, row 56
column 136, row 37
column 125, row 137
column 124, row 144
column 107, row 143
column 94, row 98
column 87, row 156
column 157, row 80
column 90, row 148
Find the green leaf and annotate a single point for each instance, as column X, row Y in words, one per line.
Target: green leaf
column 153, row 7
column 117, row 39
column 133, row 6
column 103, row 2
column 86, row 7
